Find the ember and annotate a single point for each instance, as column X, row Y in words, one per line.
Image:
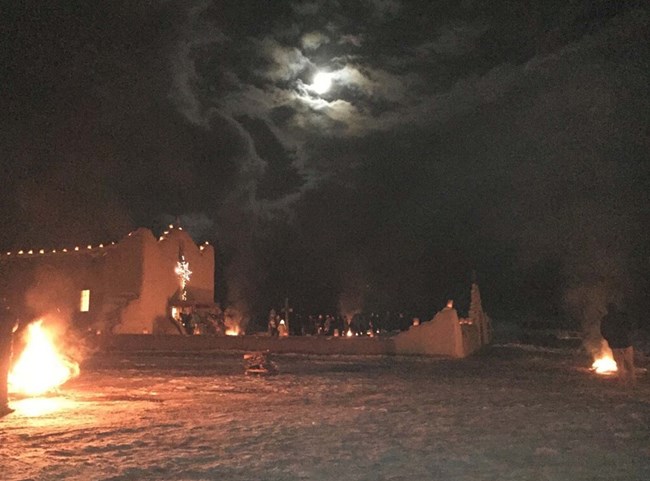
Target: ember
column 40, row 368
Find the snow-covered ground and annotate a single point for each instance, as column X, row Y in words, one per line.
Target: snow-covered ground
column 507, row 414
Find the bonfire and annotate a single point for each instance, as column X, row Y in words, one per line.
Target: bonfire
column 40, row 367
column 604, row 362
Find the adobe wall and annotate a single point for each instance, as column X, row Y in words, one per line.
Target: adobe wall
column 123, row 270
column 40, row 283
column 295, row 345
column 160, row 283
column 441, row 336
column 471, row 338
column 123, row 278
column 130, row 282
column 161, row 257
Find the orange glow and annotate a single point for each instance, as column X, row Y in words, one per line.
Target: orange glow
column 349, row 333
column 604, row 363
column 40, row 368
column 232, row 331
column 42, row 406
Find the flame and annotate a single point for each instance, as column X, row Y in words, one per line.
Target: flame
column 232, row 331
column 604, row 363
column 234, row 322
column 40, row 368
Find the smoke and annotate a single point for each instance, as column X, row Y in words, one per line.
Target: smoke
column 586, row 302
column 236, row 233
column 591, row 243
column 596, row 272
column 197, row 224
column 46, row 300
column 235, row 320
column 353, row 296
column 242, row 277
column 48, row 294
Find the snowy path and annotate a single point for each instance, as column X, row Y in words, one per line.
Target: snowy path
column 509, row 414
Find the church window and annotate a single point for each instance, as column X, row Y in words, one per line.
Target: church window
column 84, row 305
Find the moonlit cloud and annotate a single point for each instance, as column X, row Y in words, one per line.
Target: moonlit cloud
column 313, row 40
column 285, row 63
column 385, row 9
column 306, row 8
column 350, row 39
column 196, row 35
column 453, row 40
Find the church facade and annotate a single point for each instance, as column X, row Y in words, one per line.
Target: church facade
column 128, row 287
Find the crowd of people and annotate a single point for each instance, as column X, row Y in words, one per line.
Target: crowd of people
column 210, row 322
column 214, row 321
column 359, row 324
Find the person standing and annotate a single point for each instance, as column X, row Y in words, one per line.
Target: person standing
column 8, row 326
column 616, row 329
column 273, row 323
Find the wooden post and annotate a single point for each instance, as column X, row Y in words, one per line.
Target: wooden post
column 286, row 310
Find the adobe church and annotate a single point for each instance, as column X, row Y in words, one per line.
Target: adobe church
column 129, row 287
column 140, row 284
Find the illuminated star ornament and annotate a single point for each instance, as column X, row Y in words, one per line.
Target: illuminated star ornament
column 183, row 272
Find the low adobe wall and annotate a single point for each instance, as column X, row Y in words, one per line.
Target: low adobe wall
column 297, row 345
column 441, row 336
column 471, row 338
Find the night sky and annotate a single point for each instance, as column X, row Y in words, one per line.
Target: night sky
column 509, row 138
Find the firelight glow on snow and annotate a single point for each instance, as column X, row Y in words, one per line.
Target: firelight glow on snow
column 512, row 413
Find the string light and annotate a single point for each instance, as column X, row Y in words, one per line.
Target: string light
column 182, row 268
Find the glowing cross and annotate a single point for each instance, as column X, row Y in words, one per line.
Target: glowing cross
column 183, row 272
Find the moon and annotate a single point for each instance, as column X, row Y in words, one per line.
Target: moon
column 322, row 82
